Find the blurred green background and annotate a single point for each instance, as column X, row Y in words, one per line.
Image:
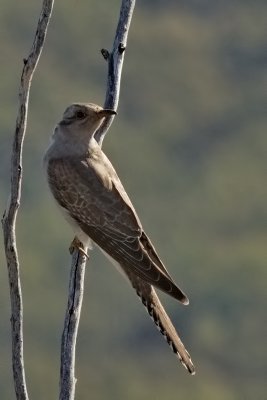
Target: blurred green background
column 190, row 146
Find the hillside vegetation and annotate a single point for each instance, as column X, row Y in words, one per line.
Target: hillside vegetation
column 190, row 146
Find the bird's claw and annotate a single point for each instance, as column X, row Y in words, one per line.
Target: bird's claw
column 76, row 244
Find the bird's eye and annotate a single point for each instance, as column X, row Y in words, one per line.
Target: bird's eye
column 80, row 114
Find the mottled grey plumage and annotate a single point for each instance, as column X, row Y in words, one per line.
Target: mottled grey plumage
column 86, row 186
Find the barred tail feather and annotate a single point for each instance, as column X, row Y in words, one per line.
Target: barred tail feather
column 156, row 311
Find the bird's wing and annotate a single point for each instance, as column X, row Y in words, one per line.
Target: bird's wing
column 156, row 311
column 91, row 192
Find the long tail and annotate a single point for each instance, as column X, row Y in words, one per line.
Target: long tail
column 156, row 311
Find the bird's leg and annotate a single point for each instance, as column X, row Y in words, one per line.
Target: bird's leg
column 77, row 244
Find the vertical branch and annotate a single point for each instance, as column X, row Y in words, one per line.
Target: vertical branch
column 115, row 62
column 71, row 324
column 10, row 214
column 75, row 295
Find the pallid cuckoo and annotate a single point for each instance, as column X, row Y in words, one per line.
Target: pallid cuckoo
column 86, row 186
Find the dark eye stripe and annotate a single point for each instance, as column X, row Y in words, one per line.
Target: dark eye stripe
column 65, row 122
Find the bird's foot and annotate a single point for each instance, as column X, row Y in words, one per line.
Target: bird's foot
column 76, row 244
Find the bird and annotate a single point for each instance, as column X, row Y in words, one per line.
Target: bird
column 93, row 200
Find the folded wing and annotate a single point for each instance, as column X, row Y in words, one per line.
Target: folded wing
column 92, row 194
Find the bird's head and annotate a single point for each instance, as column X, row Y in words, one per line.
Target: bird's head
column 84, row 118
column 74, row 134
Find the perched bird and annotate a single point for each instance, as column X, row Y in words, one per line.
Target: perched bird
column 86, row 186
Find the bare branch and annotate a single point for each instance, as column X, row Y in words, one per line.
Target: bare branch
column 115, row 63
column 71, row 324
column 10, row 215
column 76, row 286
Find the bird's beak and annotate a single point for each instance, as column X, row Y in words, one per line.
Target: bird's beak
column 105, row 112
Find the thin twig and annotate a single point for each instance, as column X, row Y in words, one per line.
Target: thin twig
column 10, row 215
column 115, row 62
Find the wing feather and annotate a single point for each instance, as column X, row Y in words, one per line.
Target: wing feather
column 91, row 192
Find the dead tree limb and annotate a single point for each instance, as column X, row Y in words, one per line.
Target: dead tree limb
column 71, row 324
column 75, row 295
column 115, row 63
column 10, row 214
